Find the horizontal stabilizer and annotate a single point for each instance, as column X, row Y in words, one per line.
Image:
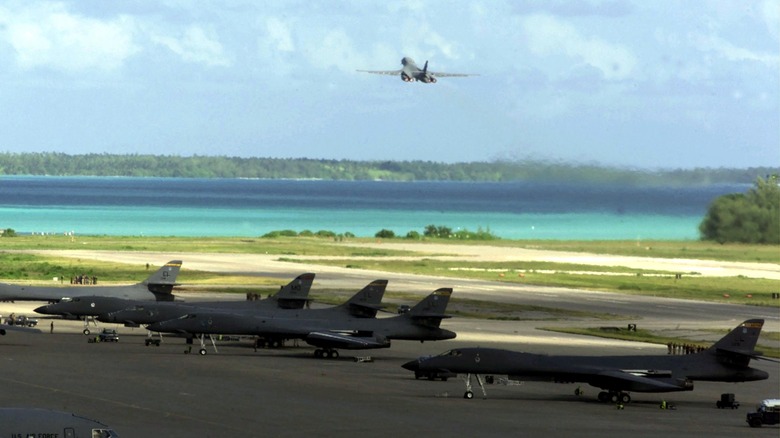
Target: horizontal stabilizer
column 623, row 381
column 345, row 341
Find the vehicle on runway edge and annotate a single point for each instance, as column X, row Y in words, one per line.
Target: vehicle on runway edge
column 410, row 72
column 351, row 325
column 34, row 422
column 133, row 313
column 727, row 360
column 158, row 287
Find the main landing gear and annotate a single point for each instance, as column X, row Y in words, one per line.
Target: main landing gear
column 614, row 397
column 326, row 353
column 469, row 394
column 151, row 341
column 202, row 350
column 87, row 320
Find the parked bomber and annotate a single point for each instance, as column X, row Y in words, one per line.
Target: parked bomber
column 726, row 361
column 133, row 313
column 159, row 286
column 351, row 326
column 411, row 73
column 32, row 422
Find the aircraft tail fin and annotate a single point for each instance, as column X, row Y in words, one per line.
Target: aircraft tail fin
column 425, row 67
column 295, row 294
column 367, row 302
column 740, row 343
column 430, row 311
column 163, row 281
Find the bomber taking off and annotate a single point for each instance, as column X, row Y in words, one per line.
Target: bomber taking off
column 411, row 73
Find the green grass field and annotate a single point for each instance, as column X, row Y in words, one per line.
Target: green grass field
column 31, row 268
column 691, row 285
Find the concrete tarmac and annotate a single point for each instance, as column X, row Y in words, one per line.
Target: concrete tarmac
column 160, row 391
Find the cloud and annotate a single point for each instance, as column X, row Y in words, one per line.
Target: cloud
column 194, row 45
column 49, row 36
column 770, row 13
column 550, row 36
column 731, row 52
column 279, row 36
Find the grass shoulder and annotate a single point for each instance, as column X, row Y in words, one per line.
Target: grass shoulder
column 640, row 335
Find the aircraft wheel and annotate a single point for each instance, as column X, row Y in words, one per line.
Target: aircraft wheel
column 334, row 354
column 614, row 398
column 86, row 332
column 417, row 375
column 318, row 353
column 202, row 351
column 603, row 396
column 468, row 395
column 624, row 398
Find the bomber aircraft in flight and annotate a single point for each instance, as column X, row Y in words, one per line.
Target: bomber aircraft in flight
column 410, row 72
column 133, row 313
column 31, row 422
column 159, row 286
column 351, row 326
column 727, row 360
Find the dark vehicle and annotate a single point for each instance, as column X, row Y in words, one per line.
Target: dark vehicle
column 108, row 335
column 768, row 412
column 25, row 321
column 727, row 401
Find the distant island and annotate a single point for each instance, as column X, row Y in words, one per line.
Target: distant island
column 135, row 165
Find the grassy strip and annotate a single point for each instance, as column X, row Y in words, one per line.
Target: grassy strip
column 483, row 309
column 300, row 246
column 320, row 246
column 641, row 335
column 688, row 249
column 738, row 290
column 35, row 269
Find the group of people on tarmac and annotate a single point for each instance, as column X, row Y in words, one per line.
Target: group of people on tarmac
column 677, row 349
column 83, row 279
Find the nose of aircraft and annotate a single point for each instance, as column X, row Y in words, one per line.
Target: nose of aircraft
column 412, row 365
column 43, row 310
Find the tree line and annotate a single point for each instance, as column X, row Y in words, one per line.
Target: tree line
column 138, row 165
column 752, row 217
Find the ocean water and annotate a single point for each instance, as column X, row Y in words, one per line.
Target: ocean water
column 251, row 208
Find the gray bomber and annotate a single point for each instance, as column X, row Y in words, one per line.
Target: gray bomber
column 411, row 73
column 293, row 295
column 351, row 325
column 726, row 361
column 159, row 286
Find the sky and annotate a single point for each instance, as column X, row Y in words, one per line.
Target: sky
column 647, row 85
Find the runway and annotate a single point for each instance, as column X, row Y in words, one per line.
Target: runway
column 160, row 391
